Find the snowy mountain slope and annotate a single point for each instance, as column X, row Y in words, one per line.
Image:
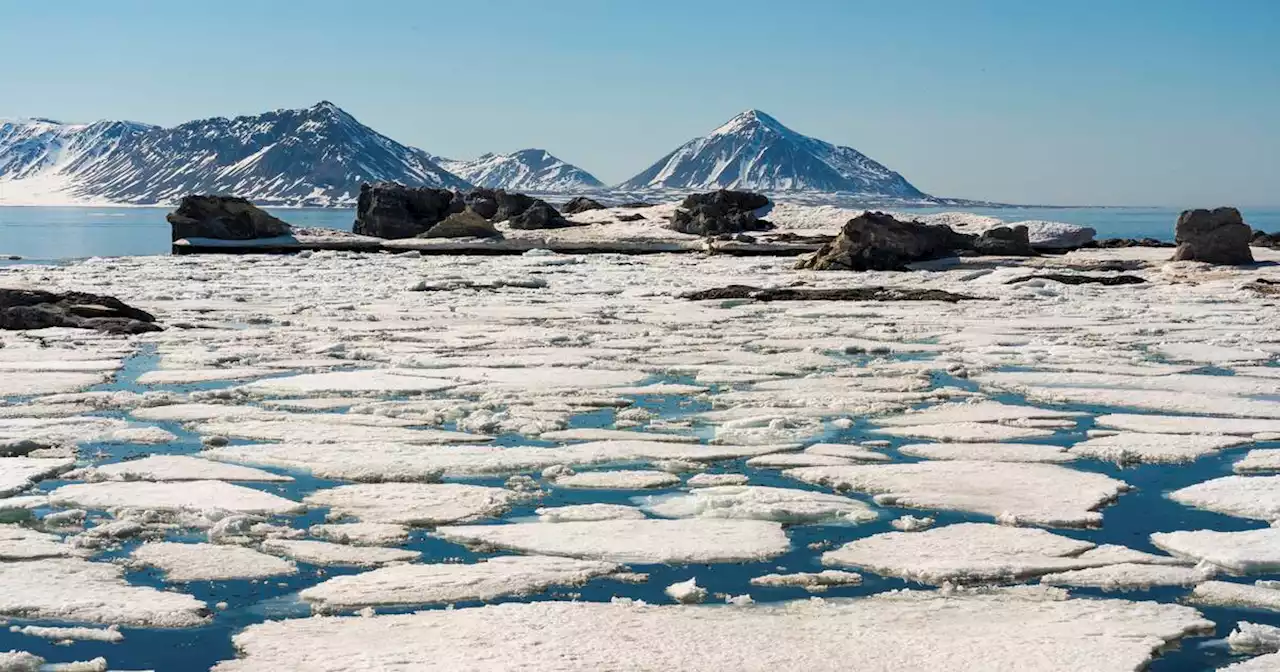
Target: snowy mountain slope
column 754, row 151
column 314, row 156
column 525, row 170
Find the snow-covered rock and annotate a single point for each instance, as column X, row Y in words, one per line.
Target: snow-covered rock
column 526, row 170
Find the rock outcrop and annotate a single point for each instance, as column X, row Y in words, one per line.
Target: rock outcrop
column 1264, row 239
column 223, row 218
column 465, row 224
column 581, row 204
column 391, row 210
column 1217, row 236
column 37, row 309
column 540, row 215
column 511, row 205
column 874, row 241
column 1004, row 241
column 483, row 202
column 720, row 212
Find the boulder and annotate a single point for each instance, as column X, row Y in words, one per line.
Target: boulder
column 36, row 309
column 540, row 215
column 465, row 224
column 511, row 205
column 1264, row 239
column 1057, row 235
column 633, row 217
column 874, row 241
column 720, row 212
column 581, row 204
column 1004, row 241
column 483, row 202
column 1217, row 236
column 224, row 218
column 391, row 210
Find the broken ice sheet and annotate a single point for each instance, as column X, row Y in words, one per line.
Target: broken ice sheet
column 327, row 554
column 1245, row 552
column 454, row 582
column 19, row 473
column 1014, row 493
column 172, row 496
column 412, row 503
column 1129, row 576
column 78, row 591
column 1256, row 497
column 177, row 468
column 991, row 452
column 972, row 432
column 1134, row 447
column 746, row 502
column 210, row 562
column 1033, row 630
column 617, row 480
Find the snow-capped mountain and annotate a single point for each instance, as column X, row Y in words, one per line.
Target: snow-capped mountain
column 314, row 156
column 525, row 170
column 754, row 151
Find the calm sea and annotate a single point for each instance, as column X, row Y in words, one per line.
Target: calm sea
column 38, row 233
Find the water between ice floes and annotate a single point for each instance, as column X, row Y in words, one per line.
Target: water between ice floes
column 1128, row 522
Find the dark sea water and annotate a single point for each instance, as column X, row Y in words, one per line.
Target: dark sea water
column 47, row 233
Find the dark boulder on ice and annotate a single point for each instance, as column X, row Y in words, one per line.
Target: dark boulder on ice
column 511, row 205
column 1005, row 241
column 1217, row 236
column 465, row 224
column 483, row 202
column 1264, row 239
column 720, row 212
column 1117, row 243
column 540, row 215
column 875, row 241
column 223, row 218
column 633, row 217
column 581, row 204
column 391, row 210
column 36, row 309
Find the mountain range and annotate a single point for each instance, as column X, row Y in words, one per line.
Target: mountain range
column 319, row 156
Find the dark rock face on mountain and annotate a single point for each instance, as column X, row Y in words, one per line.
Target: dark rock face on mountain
column 719, row 212
column 390, row 210
column 1004, row 241
column 465, row 224
column 36, row 309
column 1217, row 236
column 540, row 215
column 875, row 241
column 581, row 204
column 224, row 218
column 754, row 151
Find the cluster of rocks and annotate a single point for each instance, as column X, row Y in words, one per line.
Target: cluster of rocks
column 1217, row 236
column 718, row 213
column 223, row 218
column 37, row 309
column 1264, row 239
column 875, row 241
column 391, row 210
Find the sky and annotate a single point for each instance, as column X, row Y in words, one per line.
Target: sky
column 1087, row 102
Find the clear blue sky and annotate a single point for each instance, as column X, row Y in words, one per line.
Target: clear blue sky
column 1163, row 102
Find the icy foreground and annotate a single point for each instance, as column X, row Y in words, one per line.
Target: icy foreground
column 1029, row 629
column 358, row 446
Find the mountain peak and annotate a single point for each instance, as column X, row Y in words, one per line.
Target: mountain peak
column 750, row 120
column 527, row 169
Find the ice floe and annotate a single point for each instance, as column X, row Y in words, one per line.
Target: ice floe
column 1254, row 638
column 363, row 382
column 972, row 432
column 453, row 582
column 28, row 383
column 186, row 495
column 21, row 543
column 695, row 540
column 1011, row 492
column 983, row 411
column 1135, row 447
column 1185, row 424
column 848, row 452
column 1033, row 631
column 361, row 534
column 1258, row 461
column 1245, row 552
column 595, row 434
column 579, row 512
column 992, row 452
column 19, row 473
column 1255, row 497
column 177, row 468
column 714, row 480
column 325, row 554
column 316, row 430
column 111, row 634
column 617, row 480
column 78, row 591
column 209, row 562
column 1128, row 576
column 1235, row 595
column 412, row 503
column 748, row 502
column 909, row 523
column 814, row 582
column 686, row 592
column 186, row 376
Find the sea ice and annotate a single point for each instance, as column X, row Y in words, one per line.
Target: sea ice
column 437, row 583
column 325, row 554
column 1255, row 497
column 177, row 468
column 412, row 503
column 31, row 383
column 909, row 523
column 1022, row 629
column 1259, row 461
column 186, row 376
column 973, row 432
column 315, row 430
column 1131, row 447
column 198, row 412
column 1011, row 492
column 981, row 411
column 183, row 563
column 170, row 496
column 802, row 459
column 748, row 502
column 1186, row 424
column 363, row 382
column 855, row 453
column 21, row 543
column 1267, row 663
column 686, row 592
column 1245, row 552
column 362, row 534
column 964, row 552
column 78, row 591
column 617, row 480
column 111, row 634
column 714, row 480
column 690, row 541
column 579, row 512
column 991, row 452
column 1128, row 576
column 814, row 582
column 1254, row 638
column 1235, row 596
column 19, row 473
column 596, row 434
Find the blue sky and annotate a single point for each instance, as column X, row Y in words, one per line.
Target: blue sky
column 1085, row 102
